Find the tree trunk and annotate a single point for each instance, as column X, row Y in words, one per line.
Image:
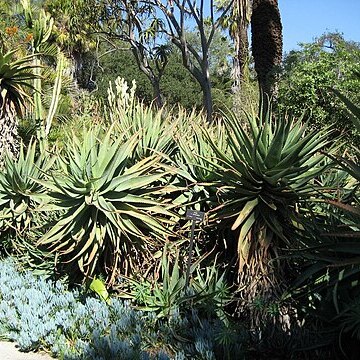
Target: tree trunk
column 203, row 78
column 157, row 96
column 9, row 141
column 241, row 57
column 266, row 33
column 208, row 101
column 241, row 16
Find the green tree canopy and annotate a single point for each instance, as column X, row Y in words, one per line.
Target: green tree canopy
column 310, row 73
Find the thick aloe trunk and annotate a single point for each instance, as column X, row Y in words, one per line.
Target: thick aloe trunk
column 266, row 30
column 9, row 140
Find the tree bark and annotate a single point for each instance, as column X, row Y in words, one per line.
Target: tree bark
column 9, row 140
column 157, row 95
column 207, row 99
column 266, row 33
column 241, row 57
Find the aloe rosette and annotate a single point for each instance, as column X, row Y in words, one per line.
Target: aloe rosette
column 194, row 173
column 15, row 80
column 331, row 245
column 154, row 128
column 113, row 215
column 20, row 193
column 271, row 167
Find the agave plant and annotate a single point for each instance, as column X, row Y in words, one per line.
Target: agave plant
column 14, row 79
column 113, row 218
column 271, row 167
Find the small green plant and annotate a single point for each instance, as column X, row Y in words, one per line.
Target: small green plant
column 169, row 294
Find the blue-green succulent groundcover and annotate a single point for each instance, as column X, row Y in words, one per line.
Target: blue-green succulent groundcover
column 40, row 314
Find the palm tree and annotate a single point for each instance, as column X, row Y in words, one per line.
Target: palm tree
column 14, row 79
column 237, row 23
column 266, row 33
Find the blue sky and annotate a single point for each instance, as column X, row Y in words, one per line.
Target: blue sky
column 304, row 20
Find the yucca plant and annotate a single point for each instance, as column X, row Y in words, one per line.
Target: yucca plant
column 270, row 169
column 14, row 80
column 112, row 217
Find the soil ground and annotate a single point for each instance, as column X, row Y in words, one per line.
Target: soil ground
column 9, row 351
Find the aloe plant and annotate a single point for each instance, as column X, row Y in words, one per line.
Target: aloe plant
column 331, row 246
column 270, row 169
column 112, row 217
column 353, row 109
column 169, row 293
column 22, row 199
column 154, row 129
column 20, row 193
column 194, row 150
column 345, row 202
column 14, row 81
column 194, row 173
